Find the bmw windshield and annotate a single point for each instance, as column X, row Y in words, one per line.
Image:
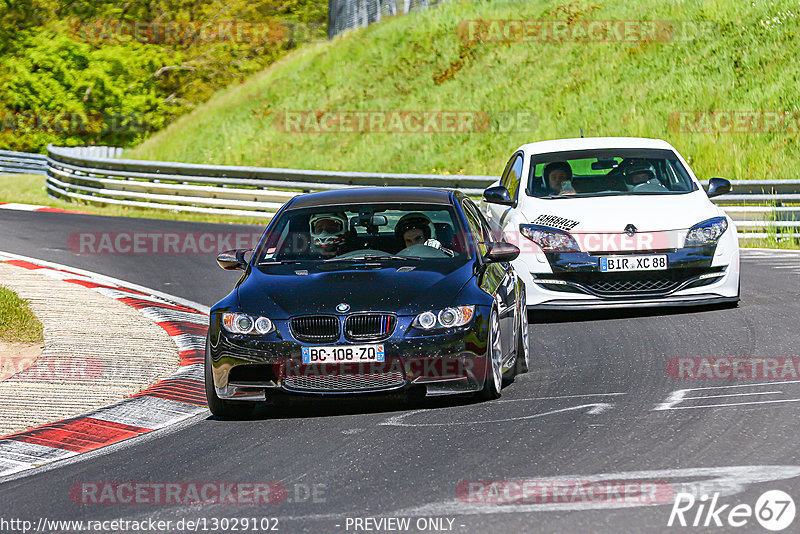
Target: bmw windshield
column 355, row 233
column 608, row 172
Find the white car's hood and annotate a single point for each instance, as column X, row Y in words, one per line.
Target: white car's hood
column 598, row 223
column 611, row 214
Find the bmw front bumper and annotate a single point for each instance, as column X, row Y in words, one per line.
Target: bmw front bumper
column 251, row 367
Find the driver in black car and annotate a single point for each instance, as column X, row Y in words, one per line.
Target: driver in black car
column 415, row 229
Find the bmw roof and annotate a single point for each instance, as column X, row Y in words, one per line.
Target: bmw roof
column 372, row 195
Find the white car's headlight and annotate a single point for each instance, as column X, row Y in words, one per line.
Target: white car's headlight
column 240, row 323
column 707, row 232
column 446, row 318
column 549, row 239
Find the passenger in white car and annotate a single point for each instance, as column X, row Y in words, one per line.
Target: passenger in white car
column 558, row 176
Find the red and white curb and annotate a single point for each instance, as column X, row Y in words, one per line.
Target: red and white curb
column 168, row 402
column 33, row 207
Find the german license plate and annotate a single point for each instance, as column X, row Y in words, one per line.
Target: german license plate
column 344, row 354
column 634, row 263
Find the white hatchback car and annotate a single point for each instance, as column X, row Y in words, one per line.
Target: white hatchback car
column 614, row 222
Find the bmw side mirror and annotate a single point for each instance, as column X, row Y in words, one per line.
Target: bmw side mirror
column 718, row 186
column 497, row 195
column 501, row 252
column 230, row 260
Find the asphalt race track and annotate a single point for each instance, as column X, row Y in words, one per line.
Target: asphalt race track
column 597, row 405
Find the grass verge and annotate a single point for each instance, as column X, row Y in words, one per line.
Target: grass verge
column 17, row 321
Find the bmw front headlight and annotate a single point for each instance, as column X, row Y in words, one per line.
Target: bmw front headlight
column 240, row 323
column 549, row 239
column 706, row 233
column 445, row 318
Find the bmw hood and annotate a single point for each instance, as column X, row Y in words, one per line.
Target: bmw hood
column 282, row 291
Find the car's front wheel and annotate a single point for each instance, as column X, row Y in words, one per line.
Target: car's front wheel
column 493, row 382
column 523, row 349
column 224, row 409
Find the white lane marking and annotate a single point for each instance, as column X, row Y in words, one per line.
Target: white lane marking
column 146, row 412
column 17, row 456
column 399, row 420
column 189, row 342
column 160, row 315
column 723, row 480
column 745, row 385
column 733, row 404
column 560, row 397
column 20, row 207
column 734, row 395
column 108, row 279
column 680, row 395
column 674, row 397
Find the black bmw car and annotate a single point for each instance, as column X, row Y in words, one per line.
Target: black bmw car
column 368, row 290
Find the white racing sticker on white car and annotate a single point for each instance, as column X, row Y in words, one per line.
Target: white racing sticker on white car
column 554, row 221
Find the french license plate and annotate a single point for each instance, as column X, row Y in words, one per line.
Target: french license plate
column 344, row 354
column 634, row 263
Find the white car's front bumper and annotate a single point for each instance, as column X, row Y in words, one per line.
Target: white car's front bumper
column 691, row 282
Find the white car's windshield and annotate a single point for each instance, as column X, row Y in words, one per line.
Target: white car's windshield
column 608, row 172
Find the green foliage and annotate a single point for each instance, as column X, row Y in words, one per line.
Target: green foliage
column 65, row 79
column 745, row 61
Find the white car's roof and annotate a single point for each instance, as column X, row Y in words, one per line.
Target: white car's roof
column 588, row 143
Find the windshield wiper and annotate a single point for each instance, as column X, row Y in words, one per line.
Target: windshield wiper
column 373, row 257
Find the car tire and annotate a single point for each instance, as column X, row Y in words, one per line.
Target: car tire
column 523, row 348
column 493, row 381
column 224, row 409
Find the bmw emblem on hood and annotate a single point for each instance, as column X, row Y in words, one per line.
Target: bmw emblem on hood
column 630, row 230
column 342, row 307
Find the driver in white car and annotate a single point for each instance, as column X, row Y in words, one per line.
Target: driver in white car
column 641, row 178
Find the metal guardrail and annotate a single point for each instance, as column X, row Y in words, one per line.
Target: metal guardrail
column 347, row 14
column 94, row 174
column 218, row 189
column 22, row 162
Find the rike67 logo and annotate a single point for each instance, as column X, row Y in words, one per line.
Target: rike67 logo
column 774, row 510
